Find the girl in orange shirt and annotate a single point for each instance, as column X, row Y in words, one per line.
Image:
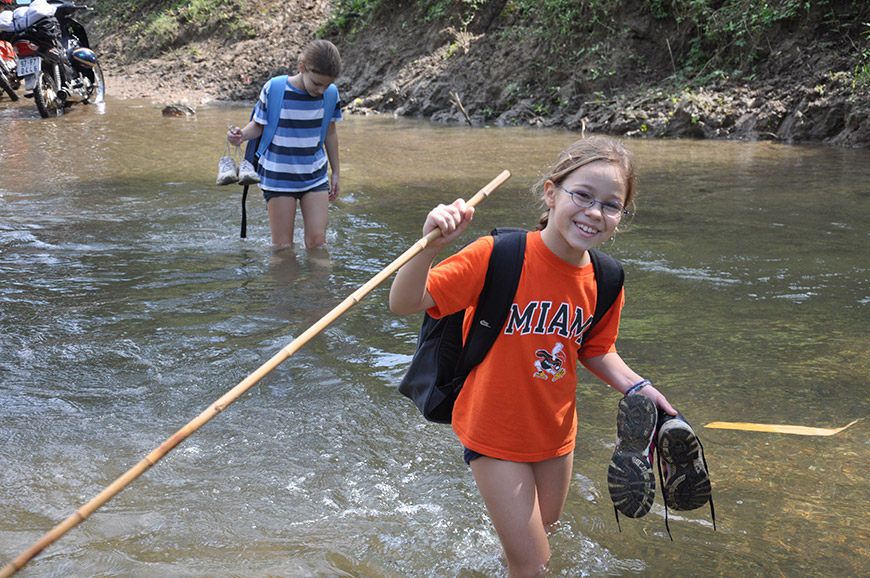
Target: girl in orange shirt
column 516, row 414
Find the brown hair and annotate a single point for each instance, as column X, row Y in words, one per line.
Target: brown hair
column 586, row 151
column 321, row 57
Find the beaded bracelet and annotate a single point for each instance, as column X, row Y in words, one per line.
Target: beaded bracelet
column 637, row 387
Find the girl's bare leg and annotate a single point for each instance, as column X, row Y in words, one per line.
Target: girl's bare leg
column 552, row 479
column 315, row 216
column 523, row 500
column 282, row 217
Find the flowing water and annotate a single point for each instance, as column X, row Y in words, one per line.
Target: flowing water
column 129, row 304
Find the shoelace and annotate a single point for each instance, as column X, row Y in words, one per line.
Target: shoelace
column 664, row 498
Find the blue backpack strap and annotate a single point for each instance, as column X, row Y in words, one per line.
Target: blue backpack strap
column 256, row 147
column 330, row 100
column 273, row 109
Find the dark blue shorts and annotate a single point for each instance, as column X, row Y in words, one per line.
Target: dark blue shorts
column 298, row 196
column 471, row 455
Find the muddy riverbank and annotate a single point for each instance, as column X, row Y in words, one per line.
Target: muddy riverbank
column 806, row 85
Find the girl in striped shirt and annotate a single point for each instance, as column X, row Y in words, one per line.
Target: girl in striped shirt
column 294, row 167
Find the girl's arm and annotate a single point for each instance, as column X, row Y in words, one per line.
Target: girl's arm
column 331, row 142
column 611, row 369
column 237, row 135
column 408, row 293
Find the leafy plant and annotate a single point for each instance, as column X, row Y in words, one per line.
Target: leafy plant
column 156, row 25
column 862, row 69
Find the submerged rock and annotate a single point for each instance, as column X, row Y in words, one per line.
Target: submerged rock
column 179, row 109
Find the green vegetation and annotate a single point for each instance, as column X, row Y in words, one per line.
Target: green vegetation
column 157, row 25
column 588, row 47
column 862, row 69
column 707, row 36
column 585, row 46
column 579, row 39
column 732, row 35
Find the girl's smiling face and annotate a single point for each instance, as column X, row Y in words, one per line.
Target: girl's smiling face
column 571, row 229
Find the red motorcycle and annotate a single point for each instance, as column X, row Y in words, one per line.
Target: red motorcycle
column 9, row 81
column 54, row 59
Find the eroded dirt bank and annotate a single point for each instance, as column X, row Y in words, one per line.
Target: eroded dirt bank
column 802, row 90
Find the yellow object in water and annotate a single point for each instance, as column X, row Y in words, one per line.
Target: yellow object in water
column 774, row 428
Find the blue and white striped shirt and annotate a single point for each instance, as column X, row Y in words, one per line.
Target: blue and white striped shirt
column 295, row 160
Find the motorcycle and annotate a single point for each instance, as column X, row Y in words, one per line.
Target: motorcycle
column 54, row 57
column 9, row 81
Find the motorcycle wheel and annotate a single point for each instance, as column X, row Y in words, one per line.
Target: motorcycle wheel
column 6, row 87
column 97, row 91
column 45, row 95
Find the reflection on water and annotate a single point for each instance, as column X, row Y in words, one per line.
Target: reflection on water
column 129, row 304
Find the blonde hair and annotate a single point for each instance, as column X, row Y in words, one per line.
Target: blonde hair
column 586, row 151
column 321, row 57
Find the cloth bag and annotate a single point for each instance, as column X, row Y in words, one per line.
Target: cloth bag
column 26, row 16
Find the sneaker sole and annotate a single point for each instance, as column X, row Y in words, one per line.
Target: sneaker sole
column 687, row 486
column 630, row 476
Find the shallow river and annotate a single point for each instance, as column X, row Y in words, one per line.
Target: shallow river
column 129, row 304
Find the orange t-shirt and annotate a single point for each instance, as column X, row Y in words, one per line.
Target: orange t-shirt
column 519, row 404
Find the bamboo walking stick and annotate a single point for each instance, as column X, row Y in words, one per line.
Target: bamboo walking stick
column 115, row 487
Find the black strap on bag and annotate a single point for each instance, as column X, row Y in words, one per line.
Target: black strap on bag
column 251, row 157
column 494, row 303
column 609, row 277
column 244, row 232
column 441, row 362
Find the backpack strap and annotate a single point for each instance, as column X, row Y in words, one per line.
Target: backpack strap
column 610, row 277
column 494, row 303
column 330, row 100
column 507, row 230
column 277, row 86
column 256, row 147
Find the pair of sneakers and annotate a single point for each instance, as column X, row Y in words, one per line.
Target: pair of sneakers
column 641, row 428
column 228, row 174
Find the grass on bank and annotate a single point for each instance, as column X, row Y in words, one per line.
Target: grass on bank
column 155, row 26
column 579, row 39
column 712, row 35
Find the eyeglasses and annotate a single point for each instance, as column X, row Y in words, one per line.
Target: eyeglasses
column 610, row 209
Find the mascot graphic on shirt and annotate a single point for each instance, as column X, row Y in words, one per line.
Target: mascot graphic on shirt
column 549, row 364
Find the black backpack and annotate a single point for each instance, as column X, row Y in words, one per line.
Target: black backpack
column 441, row 362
